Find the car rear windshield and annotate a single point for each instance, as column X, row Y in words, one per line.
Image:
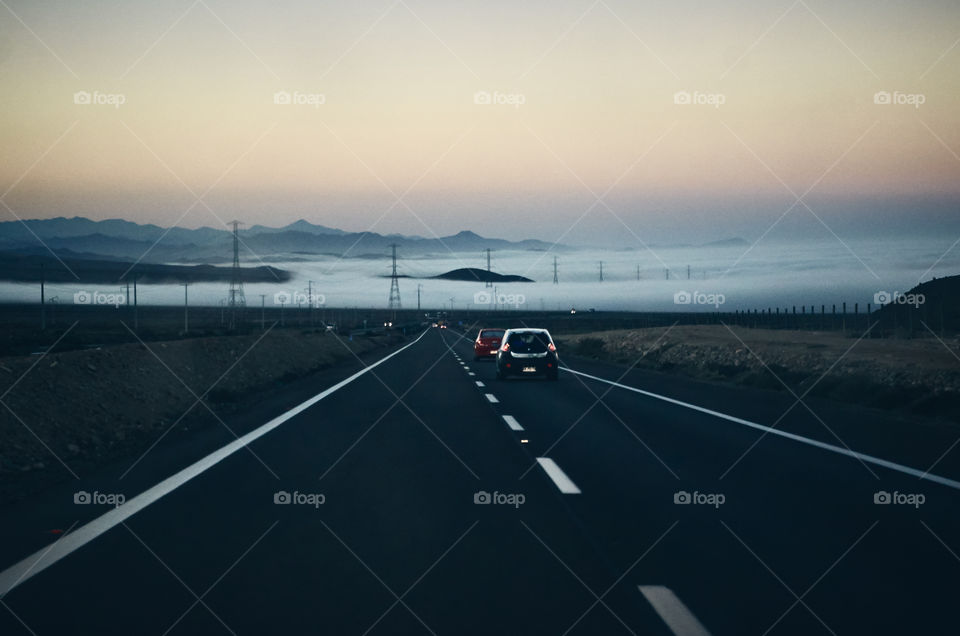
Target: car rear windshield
column 492, row 333
column 529, row 342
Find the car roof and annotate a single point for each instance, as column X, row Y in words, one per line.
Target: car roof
column 528, row 330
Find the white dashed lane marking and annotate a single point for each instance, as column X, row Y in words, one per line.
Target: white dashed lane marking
column 512, row 422
column 674, row 613
column 564, row 483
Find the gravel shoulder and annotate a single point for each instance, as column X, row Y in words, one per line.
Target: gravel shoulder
column 79, row 410
column 920, row 376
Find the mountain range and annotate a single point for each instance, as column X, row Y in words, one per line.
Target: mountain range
column 117, row 239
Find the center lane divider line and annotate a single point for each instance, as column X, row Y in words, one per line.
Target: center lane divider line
column 674, row 613
column 45, row 557
column 512, row 422
column 560, row 479
column 492, row 398
column 479, row 383
column 870, row 459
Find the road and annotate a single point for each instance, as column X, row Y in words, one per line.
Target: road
column 609, row 511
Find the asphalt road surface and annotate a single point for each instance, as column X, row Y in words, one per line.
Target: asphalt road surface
column 421, row 495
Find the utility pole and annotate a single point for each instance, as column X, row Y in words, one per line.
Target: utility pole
column 43, row 308
column 419, row 287
column 136, row 317
column 310, row 300
column 601, row 271
column 394, row 282
column 638, row 272
column 451, row 303
column 556, row 279
column 186, row 319
column 688, row 272
column 263, row 303
column 489, row 282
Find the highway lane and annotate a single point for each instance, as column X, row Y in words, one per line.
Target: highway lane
column 794, row 516
column 398, row 520
column 399, row 546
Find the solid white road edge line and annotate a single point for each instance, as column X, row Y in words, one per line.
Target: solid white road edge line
column 45, row 557
column 870, row 459
column 674, row 613
column 559, row 477
column 512, row 422
column 492, row 398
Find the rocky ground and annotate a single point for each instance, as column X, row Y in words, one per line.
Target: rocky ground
column 918, row 376
column 90, row 407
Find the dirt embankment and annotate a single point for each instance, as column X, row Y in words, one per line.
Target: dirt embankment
column 90, row 407
column 919, row 376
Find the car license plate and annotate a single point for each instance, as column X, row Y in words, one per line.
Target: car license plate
column 529, row 369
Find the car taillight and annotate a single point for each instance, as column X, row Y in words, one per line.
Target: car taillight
column 551, row 347
column 505, row 347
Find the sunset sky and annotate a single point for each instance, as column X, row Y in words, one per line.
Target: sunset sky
column 589, row 111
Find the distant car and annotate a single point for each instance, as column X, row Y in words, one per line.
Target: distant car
column 527, row 352
column 487, row 343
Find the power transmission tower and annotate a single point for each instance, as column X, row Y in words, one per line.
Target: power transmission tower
column 419, row 287
column 555, row 278
column 601, row 271
column 236, row 299
column 394, row 282
column 489, row 282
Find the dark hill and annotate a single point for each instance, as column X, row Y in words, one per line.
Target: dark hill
column 935, row 302
column 30, row 268
column 474, row 274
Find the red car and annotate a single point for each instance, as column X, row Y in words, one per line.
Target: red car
column 487, row 343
